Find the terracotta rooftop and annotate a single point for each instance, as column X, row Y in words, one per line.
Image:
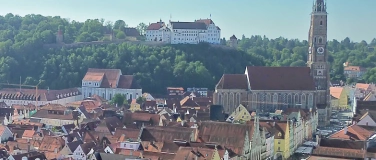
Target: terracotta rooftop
column 161, row 134
column 354, row 132
column 362, row 86
column 194, row 153
column 353, row 68
column 226, row 134
column 111, row 78
column 155, row 26
column 280, row 78
column 233, row 81
column 323, row 158
column 336, row 92
column 206, row 21
column 28, row 134
column 43, row 94
column 339, row 152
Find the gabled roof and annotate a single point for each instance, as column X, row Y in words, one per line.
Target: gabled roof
column 233, row 81
column 353, row 68
column 280, row 78
column 189, row 25
column 206, row 21
column 109, row 79
column 354, row 132
column 336, row 92
column 194, row 153
column 131, row 32
column 160, row 134
column 156, row 26
column 339, row 152
column 229, row 135
column 362, row 86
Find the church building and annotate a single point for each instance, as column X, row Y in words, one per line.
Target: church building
column 267, row 89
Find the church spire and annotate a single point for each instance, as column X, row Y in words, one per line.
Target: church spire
column 319, row 6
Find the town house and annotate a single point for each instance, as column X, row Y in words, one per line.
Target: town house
column 108, row 82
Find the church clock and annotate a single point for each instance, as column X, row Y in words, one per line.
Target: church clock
column 320, row 50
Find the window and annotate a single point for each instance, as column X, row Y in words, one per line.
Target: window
column 320, row 23
column 279, row 141
column 320, row 40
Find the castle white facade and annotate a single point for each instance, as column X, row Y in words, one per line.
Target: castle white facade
column 203, row 30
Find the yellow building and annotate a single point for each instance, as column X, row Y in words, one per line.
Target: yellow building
column 282, row 139
column 134, row 106
column 339, row 98
column 240, row 114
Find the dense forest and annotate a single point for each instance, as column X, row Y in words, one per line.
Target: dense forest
column 156, row 67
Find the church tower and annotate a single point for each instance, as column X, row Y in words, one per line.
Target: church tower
column 318, row 55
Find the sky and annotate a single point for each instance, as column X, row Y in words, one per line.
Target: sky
column 355, row 19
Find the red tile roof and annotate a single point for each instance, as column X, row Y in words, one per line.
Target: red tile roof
column 233, row 81
column 155, row 26
column 194, row 153
column 280, row 78
column 43, row 94
column 28, row 134
column 206, row 21
column 111, row 78
column 354, row 132
column 226, row 134
column 336, row 92
column 339, row 152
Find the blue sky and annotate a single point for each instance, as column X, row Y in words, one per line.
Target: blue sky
column 273, row 18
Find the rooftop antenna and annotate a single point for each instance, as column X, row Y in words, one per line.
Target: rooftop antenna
column 210, row 15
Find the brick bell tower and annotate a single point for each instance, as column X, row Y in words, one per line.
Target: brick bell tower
column 318, row 57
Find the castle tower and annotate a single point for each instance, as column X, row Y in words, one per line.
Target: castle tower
column 59, row 37
column 318, row 56
column 233, row 41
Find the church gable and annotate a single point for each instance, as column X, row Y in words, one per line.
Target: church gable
column 233, row 81
column 280, row 78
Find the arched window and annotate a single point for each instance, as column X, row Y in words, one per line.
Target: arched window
column 220, row 98
column 231, row 100
column 310, row 101
column 225, row 100
column 289, row 100
column 303, row 99
column 254, row 100
column 320, row 23
column 275, row 100
column 296, row 100
column 320, row 40
column 315, row 39
column 238, row 99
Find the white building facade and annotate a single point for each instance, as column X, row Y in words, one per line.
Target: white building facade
column 12, row 96
column 108, row 82
column 184, row 32
column 158, row 32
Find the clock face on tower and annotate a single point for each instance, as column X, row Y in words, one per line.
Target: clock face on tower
column 320, row 50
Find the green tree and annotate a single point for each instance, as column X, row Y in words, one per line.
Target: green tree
column 119, row 100
column 298, row 63
column 140, row 100
column 120, row 35
column 142, row 28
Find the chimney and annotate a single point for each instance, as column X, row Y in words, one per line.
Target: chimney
column 273, row 123
column 55, row 150
column 345, row 130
